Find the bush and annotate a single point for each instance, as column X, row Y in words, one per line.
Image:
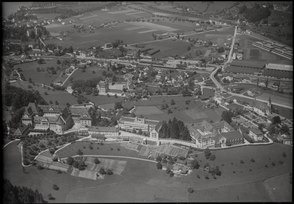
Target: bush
column 171, row 174
column 252, row 160
column 158, row 158
column 273, row 164
column 206, row 177
column 96, row 161
column 234, row 172
column 198, row 176
column 109, row 172
column 266, row 166
column 102, row 171
column 118, row 149
column 159, row 165
column 55, row 187
column 242, row 162
column 190, row 190
column 212, row 157
column 284, row 155
column 281, row 162
column 250, row 170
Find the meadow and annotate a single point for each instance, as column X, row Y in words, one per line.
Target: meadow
column 189, row 113
column 30, row 71
column 141, row 181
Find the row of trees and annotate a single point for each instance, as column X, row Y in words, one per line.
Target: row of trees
column 174, row 129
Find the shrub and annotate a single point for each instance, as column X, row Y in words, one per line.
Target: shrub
column 266, row 166
column 96, row 161
column 284, row 155
column 190, row 190
column 158, row 158
column 109, row 172
column 168, row 170
column 273, row 164
column 159, row 165
column 212, row 157
column 102, row 171
column 234, row 172
column 118, row 149
column 55, row 187
column 171, row 174
column 198, row 176
column 206, row 177
column 242, row 162
column 281, row 162
column 252, row 160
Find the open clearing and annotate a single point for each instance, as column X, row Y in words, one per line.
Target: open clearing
column 142, row 181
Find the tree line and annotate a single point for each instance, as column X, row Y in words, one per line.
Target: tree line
column 17, row 194
column 174, row 129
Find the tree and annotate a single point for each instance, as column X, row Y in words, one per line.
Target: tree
column 158, row 158
column 58, row 61
column 109, row 172
column 102, row 171
column 212, row 157
column 80, row 152
column 96, row 161
column 207, row 153
column 56, row 103
column 172, row 102
column 118, row 105
column 227, row 116
column 276, row 120
column 190, row 190
column 55, row 187
column 195, row 164
column 70, row 161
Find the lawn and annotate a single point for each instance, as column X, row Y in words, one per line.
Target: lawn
column 30, row 71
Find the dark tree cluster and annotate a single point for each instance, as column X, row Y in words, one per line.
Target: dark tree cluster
column 17, row 194
column 174, row 129
column 256, row 13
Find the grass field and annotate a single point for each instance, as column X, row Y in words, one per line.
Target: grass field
column 30, row 71
column 194, row 112
column 147, row 110
column 62, row 97
column 141, row 181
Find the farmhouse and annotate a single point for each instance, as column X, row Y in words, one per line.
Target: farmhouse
column 105, row 131
column 255, row 134
column 135, row 123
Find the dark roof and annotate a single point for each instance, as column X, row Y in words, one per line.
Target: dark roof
column 232, row 135
column 256, row 131
column 207, row 93
column 248, row 63
column 51, row 108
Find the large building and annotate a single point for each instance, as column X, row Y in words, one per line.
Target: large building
column 105, row 131
column 105, row 88
column 30, row 111
column 81, row 115
column 55, row 123
column 135, row 123
column 278, row 70
column 246, row 67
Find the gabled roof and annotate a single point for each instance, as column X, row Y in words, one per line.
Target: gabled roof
column 222, row 124
column 51, row 108
column 207, row 93
column 256, row 131
column 103, row 129
column 232, row 135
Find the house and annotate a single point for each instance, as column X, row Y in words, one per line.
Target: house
column 255, row 134
column 22, row 130
column 81, row 115
column 51, row 110
column 286, row 139
column 55, row 123
column 29, row 113
column 105, row 131
column 207, row 94
column 203, row 134
column 233, row 138
column 154, row 133
column 135, row 123
column 222, row 126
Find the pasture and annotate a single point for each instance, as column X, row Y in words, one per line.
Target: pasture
column 147, row 110
column 189, row 113
column 145, row 182
column 30, row 71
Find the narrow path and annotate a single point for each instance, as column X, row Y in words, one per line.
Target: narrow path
column 111, row 156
